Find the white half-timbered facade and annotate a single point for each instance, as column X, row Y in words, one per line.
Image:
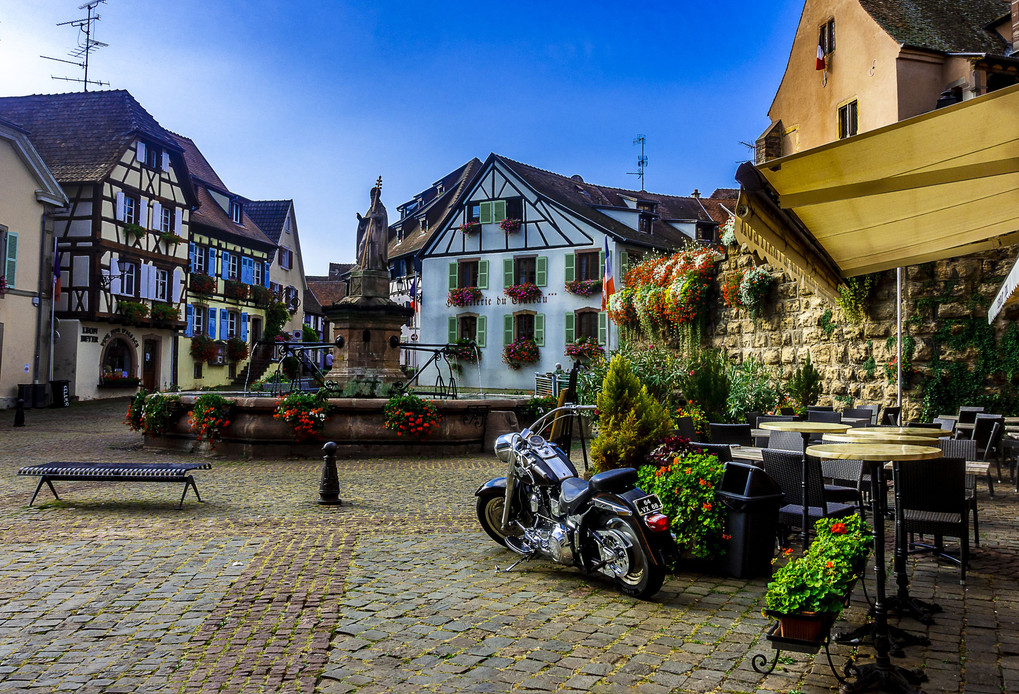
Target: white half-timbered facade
column 122, row 239
column 517, row 225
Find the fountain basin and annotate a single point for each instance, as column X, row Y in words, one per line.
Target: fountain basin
column 356, row 425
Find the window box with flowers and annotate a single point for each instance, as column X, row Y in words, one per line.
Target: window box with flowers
column 510, row 225
column 134, row 231
column 523, row 350
column 464, row 296
column 583, row 349
column 165, row 313
column 464, row 350
column 204, row 348
column 118, row 380
column 134, row 312
column 262, row 296
column 305, row 413
column 469, row 228
column 235, row 289
column 584, row 287
column 526, row 293
column 202, row 285
column 170, row 239
column 236, row 349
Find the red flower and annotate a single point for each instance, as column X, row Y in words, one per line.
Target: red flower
column 838, row 528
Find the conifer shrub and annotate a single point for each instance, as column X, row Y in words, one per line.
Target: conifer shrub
column 804, row 385
column 630, row 421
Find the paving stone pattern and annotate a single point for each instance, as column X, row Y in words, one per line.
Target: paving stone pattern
column 261, row 590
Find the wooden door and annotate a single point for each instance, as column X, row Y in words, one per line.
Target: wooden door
column 150, row 364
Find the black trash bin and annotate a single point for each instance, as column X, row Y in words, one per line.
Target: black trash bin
column 61, row 391
column 26, row 394
column 752, row 500
column 41, row 393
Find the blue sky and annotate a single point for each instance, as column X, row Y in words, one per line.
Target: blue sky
column 314, row 100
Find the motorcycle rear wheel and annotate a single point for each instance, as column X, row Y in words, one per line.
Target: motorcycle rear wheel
column 644, row 577
column 490, row 505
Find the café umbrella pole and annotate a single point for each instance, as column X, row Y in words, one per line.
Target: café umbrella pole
column 898, row 338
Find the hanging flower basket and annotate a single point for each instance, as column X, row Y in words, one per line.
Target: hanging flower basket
column 203, row 285
column 262, row 296
column 465, row 296
column 525, row 293
column 621, row 309
column 3, row 285
column 730, row 288
column 235, row 289
column 165, row 313
column 465, row 350
column 236, row 349
column 754, row 288
column 468, row 228
column 510, row 225
column 133, row 311
column 204, row 348
column 523, row 350
column 584, row 287
column 584, row 348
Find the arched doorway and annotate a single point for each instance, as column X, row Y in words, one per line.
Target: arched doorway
column 118, row 360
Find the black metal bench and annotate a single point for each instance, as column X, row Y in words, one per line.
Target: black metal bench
column 115, row 472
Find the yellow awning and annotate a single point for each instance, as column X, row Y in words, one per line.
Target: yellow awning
column 936, row 186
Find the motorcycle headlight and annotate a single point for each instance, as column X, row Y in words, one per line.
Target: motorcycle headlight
column 503, row 446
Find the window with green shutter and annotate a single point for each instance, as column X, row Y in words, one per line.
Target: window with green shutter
column 507, row 328
column 603, row 328
column 539, row 329
column 482, row 274
column 541, row 271
column 482, row 336
column 451, row 330
column 486, row 213
column 570, row 267
column 507, row 272
column 10, row 257
column 452, row 276
column 570, row 322
column 492, row 212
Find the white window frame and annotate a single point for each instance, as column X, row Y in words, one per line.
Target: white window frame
column 199, row 320
column 256, row 275
column 166, row 220
column 234, row 269
column 201, row 260
column 232, row 323
column 160, row 291
column 130, row 209
column 236, row 212
column 128, row 278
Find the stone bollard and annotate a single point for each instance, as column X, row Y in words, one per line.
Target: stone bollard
column 329, row 485
column 19, row 413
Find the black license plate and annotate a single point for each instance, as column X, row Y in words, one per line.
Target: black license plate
column 646, row 505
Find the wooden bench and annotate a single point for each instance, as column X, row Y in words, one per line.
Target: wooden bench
column 115, row 472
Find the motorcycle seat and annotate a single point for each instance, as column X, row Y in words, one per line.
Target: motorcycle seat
column 614, row 480
column 573, row 490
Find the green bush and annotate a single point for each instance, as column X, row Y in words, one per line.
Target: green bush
column 630, row 421
column 707, row 383
column 753, row 388
column 657, row 367
column 804, row 385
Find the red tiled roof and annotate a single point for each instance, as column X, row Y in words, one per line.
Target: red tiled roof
column 952, row 26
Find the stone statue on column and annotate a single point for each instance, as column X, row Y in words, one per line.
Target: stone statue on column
column 373, row 234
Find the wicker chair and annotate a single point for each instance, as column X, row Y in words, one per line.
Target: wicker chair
column 945, row 424
column 762, row 441
column 738, row 434
column 684, row 427
column 824, row 416
column 820, row 408
column 967, row 450
column 933, row 498
column 752, row 418
column 846, row 485
column 968, row 415
column 890, row 416
column 786, row 468
column 786, row 441
column 987, row 431
column 860, row 413
column 721, row 450
column 923, row 425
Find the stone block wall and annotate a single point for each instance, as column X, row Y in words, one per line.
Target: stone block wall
column 794, row 323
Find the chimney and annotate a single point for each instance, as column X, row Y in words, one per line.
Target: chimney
column 697, row 194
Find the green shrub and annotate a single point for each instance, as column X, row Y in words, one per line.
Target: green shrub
column 707, row 383
column 804, row 385
column 158, row 410
column 753, row 388
column 630, row 423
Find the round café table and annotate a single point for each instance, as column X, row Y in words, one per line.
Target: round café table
column 806, row 429
column 880, row 674
column 927, row 432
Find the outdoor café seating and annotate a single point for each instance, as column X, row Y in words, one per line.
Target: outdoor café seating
column 967, row 450
column 721, row 450
column 933, row 498
column 738, row 434
column 786, row 468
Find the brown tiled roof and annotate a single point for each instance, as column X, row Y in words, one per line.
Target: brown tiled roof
column 82, row 135
column 269, row 215
column 198, row 165
column 327, row 292
column 584, row 198
column 952, row 26
column 210, row 214
column 311, row 304
column 725, row 194
column 436, row 208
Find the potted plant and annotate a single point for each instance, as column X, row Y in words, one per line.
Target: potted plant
column 170, row 238
column 210, row 415
column 754, row 288
column 3, row 285
column 525, row 293
column 464, row 349
column 583, row 287
column 409, row 414
column 509, row 225
column 204, row 348
column 135, row 231
column 114, row 379
column 236, row 349
column 464, row 296
column 157, row 412
column 304, row 412
column 523, row 350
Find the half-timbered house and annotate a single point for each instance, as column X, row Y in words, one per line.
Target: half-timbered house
column 28, row 197
column 122, row 237
column 228, row 288
column 522, row 257
column 278, row 221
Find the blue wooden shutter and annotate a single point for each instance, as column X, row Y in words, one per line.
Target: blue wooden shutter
column 224, row 324
column 119, row 206
column 482, row 335
column 482, row 274
column 211, row 269
column 191, row 257
column 189, row 312
column 244, row 327
column 539, row 329
column 570, row 267
column 265, row 275
column 224, row 265
column 541, row 271
column 507, row 272
column 571, row 333
column 247, row 270
column 212, row 323
column 507, row 328
column 603, row 328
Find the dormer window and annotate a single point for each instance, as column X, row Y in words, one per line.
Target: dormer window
column 644, row 223
column 236, row 212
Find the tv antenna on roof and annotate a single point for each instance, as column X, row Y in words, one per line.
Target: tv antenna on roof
column 641, row 160
column 86, row 45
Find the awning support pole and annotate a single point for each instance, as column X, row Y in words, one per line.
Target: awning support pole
column 898, row 337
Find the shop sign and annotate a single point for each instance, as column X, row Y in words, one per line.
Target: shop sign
column 89, row 334
column 120, row 332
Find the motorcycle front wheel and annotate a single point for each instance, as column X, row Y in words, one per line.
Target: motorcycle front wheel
column 490, row 505
column 635, row 572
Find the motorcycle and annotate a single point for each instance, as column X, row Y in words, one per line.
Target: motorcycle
column 542, row 506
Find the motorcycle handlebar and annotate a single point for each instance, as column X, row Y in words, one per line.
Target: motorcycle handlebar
column 539, row 423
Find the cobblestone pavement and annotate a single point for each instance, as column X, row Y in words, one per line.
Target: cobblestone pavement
column 259, row 589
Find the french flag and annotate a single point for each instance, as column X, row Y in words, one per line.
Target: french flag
column 608, row 285
column 820, row 57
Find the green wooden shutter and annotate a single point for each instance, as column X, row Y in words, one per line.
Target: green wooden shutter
column 486, row 213
column 571, row 333
column 570, row 266
column 451, row 330
column 507, row 328
column 498, row 211
column 539, row 329
column 452, row 276
column 624, row 265
column 481, row 337
column 482, row 274
column 11, row 261
column 601, row 266
column 541, row 271
column 603, row 328
column 507, row 272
